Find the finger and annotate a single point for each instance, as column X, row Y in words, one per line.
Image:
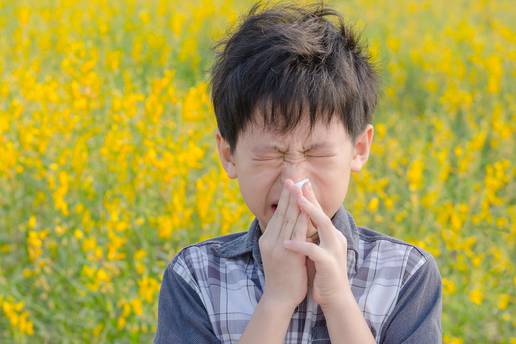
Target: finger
column 277, row 217
column 283, row 201
column 308, row 249
column 301, row 227
column 292, row 213
column 321, row 221
column 309, row 193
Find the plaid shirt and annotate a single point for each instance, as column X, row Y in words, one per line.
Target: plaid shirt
column 210, row 290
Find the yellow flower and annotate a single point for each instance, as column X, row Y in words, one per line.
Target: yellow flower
column 98, row 329
column 415, row 175
column 17, row 316
column 78, row 234
column 476, row 296
column 448, row 286
column 196, row 103
column 400, row 216
column 389, row 202
column 373, row 205
column 60, row 230
column 476, row 261
column 165, row 227
column 89, row 244
column 121, row 323
column 503, row 301
column 140, row 254
column 148, row 288
column 137, row 306
column 452, row 340
column 32, row 222
column 27, row 272
column 35, row 244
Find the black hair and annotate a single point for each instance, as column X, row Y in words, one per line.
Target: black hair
column 285, row 59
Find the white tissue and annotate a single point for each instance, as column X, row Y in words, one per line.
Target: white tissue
column 300, row 183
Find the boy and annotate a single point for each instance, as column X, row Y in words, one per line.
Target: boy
column 294, row 97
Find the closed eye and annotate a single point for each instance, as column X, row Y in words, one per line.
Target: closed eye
column 266, row 159
column 321, row 156
column 310, row 156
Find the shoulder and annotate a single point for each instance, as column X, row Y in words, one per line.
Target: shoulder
column 195, row 258
column 403, row 289
column 387, row 250
column 393, row 275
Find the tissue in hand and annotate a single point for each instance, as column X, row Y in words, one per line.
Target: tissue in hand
column 301, row 183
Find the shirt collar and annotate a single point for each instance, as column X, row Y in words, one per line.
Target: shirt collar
column 248, row 243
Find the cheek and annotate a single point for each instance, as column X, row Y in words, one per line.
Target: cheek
column 331, row 187
column 254, row 188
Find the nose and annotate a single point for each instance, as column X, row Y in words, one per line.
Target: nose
column 294, row 169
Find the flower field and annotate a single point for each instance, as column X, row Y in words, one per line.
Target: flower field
column 108, row 160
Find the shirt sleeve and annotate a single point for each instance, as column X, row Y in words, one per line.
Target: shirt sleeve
column 416, row 317
column 182, row 317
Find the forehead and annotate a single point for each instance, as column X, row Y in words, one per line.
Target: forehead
column 322, row 135
column 303, row 131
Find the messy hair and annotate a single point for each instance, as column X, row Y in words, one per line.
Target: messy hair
column 286, row 59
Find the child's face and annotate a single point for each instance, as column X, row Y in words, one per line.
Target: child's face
column 261, row 168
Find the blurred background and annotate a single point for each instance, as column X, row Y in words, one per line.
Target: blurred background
column 108, row 162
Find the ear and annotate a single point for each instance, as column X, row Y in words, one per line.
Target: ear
column 361, row 148
column 226, row 157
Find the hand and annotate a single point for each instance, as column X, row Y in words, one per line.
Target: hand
column 330, row 283
column 285, row 271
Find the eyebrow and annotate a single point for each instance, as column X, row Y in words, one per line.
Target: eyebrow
column 275, row 147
